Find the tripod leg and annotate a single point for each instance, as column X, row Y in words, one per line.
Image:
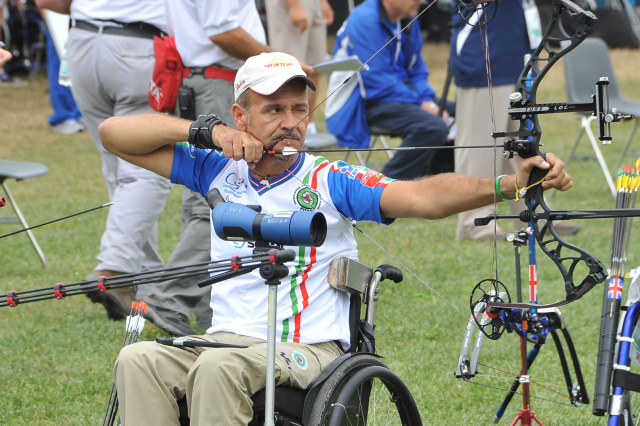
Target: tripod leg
column 516, row 383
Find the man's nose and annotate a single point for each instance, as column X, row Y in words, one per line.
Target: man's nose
column 289, row 119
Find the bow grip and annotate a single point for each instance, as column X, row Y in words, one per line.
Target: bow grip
column 537, row 174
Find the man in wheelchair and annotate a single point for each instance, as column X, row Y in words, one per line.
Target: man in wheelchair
column 270, row 113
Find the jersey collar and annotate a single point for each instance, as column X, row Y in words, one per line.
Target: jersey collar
column 260, row 187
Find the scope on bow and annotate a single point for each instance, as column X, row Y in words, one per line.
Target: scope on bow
column 238, row 222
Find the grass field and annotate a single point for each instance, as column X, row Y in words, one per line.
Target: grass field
column 57, row 355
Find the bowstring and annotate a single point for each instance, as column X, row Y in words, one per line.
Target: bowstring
column 355, row 226
column 467, row 319
column 494, row 263
column 484, row 38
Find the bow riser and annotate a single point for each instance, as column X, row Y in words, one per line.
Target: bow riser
column 525, row 97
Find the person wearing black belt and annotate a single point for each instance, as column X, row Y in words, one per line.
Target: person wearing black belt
column 213, row 39
column 110, row 57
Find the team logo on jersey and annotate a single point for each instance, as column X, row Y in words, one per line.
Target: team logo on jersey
column 371, row 178
column 299, row 360
column 234, row 185
column 192, row 151
column 307, row 198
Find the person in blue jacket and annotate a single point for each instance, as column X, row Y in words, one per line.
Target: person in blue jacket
column 393, row 93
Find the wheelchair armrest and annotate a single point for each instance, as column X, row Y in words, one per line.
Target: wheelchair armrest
column 348, row 275
column 390, row 272
column 353, row 277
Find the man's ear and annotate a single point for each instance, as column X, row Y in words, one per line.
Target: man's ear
column 240, row 117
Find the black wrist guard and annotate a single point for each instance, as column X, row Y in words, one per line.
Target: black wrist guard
column 201, row 129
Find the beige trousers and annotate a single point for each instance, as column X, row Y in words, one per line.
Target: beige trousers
column 309, row 46
column 474, row 126
column 218, row 382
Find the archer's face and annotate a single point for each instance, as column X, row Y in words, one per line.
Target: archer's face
column 279, row 120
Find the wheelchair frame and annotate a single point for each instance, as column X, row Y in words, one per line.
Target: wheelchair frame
column 341, row 394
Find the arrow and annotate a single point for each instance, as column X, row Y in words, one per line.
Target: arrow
column 292, row 151
column 56, row 220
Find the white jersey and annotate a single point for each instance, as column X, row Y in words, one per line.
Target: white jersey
column 309, row 310
column 149, row 11
column 192, row 22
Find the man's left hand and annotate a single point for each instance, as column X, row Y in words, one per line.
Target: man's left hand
column 557, row 177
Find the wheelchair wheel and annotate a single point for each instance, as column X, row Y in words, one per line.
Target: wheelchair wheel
column 364, row 391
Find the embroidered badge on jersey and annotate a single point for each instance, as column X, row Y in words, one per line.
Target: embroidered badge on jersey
column 234, row 185
column 307, row 198
column 366, row 176
column 299, row 360
column 371, row 178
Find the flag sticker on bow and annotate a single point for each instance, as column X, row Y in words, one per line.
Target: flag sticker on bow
column 616, row 285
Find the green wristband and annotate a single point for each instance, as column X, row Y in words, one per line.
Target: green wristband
column 498, row 193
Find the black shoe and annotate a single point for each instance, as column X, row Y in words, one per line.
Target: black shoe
column 116, row 301
column 174, row 323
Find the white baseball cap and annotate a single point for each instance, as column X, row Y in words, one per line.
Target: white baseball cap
column 267, row 72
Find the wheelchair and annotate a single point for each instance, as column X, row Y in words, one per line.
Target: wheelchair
column 357, row 388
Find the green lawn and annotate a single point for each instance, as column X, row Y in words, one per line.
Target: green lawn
column 57, row 355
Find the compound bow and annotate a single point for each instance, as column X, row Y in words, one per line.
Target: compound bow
column 525, row 142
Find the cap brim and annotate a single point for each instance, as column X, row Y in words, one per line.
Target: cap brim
column 271, row 85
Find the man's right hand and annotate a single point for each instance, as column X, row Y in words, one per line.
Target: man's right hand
column 5, row 56
column 237, row 144
column 298, row 17
column 209, row 132
column 433, row 108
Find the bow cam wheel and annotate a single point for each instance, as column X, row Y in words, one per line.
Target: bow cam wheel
column 488, row 320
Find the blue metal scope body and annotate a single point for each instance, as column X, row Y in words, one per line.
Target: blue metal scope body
column 238, row 222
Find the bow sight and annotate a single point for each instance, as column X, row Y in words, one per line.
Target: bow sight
column 525, row 141
column 522, row 109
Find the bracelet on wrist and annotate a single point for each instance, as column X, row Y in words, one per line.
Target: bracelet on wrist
column 498, row 193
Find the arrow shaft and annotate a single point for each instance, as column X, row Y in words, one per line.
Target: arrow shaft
column 56, row 220
column 291, row 151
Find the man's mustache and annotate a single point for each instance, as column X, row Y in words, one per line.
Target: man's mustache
column 285, row 134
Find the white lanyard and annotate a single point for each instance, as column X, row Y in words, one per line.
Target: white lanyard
column 398, row 42
column 532, row 19
column 463, row 35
